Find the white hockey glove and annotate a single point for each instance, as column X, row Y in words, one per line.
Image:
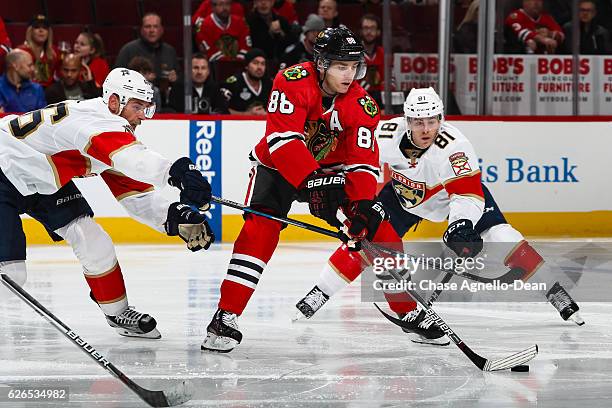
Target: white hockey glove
column 190, row 225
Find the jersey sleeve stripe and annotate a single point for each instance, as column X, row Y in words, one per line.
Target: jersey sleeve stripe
column 375, row 171
column 469, row 185
column 122, row 186
column 55, row 173
column 104, row 145
column 277, row 140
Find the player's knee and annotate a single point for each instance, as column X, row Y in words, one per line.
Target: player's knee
column 502, row 233
column 16, row 270
column 91, row 245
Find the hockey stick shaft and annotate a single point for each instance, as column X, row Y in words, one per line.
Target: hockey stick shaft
column 153, row 398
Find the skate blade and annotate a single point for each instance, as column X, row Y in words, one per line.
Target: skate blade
column 576, row 318
column 153, row 334
column 442, row 341
column 218, row 344
column 298, row 316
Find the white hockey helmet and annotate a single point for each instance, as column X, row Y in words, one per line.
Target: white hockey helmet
column 423, row 103
column 128, row 84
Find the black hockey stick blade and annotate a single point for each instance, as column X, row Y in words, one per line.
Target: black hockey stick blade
column 177, row 395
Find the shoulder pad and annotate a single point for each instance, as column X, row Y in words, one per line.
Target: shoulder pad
column 295, row 73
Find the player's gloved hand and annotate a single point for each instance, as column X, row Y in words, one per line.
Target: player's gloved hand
column 190, row 225
column 324, row 193
column 195, row 189
column 364, row 218
column 462, row 239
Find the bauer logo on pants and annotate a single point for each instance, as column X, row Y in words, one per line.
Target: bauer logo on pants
column 205, row 152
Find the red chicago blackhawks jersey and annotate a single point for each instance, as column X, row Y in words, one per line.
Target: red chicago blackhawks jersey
column 301, row 136
column 525, row 27
column 224, row 42
column 375, row 74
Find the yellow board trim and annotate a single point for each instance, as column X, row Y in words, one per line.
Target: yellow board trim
column 556, row 225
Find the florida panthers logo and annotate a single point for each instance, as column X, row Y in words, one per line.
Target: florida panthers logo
column 319, row 140
column 410, row 193
column 228, row 45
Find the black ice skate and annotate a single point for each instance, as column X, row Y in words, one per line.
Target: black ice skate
column 309, row 305
column 422, row 328
column 223, row 334
column 563, row 302
column 132, row 323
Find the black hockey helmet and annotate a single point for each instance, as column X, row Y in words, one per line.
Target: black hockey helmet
column 339, row 44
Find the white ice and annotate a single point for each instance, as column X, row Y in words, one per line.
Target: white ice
column 346, row 356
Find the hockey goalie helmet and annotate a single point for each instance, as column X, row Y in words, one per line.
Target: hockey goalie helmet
column 128, row 84
column 423, row 103
column 339, row 44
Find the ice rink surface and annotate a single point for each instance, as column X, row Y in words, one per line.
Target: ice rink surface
column 346, row 356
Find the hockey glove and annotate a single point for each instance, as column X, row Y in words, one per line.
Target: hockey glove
column 324, row 194
column 195, row 189
column 462, row 239
column 190, row 225
column 365, row 216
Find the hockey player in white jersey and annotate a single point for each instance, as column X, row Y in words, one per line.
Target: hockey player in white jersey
column 435, row 176
column 43, row 150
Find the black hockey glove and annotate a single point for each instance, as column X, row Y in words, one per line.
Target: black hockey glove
column 190, row 225
column 324, row 194
column 365, row 216
column 462, row 239
column 195, row 189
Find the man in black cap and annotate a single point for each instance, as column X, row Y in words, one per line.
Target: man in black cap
column 248, row 92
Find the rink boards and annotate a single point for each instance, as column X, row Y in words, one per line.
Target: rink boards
column 549, row 176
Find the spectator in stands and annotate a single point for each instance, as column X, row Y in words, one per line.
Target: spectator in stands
column 604, row 14
column 530, row 30
column 145, row 67
column 5, row 44
column 150, row 45
column 39, row 43
column 91, row 50
column 18, row 93
column 269, row 31
column 286, row 9
column 205, row 9
column 206, row 96
column 223, row 36
column 248, row 92
column 70, row 86
column 328, row 11
column 302, row 50
column 374, row 56
column 466, row 37
column 594, row 39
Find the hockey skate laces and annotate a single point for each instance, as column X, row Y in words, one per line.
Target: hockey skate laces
column 128, row 316
column 229, row 319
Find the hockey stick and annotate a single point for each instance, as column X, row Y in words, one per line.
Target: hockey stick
column 177, row 395
column 507, row 277
column 482, row 363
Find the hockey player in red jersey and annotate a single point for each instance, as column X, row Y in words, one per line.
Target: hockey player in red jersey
column 319, row 147
column 43, row 150
column 435, row 176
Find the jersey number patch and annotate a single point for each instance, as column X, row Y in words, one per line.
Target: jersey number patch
column 364, row 138
column 279, row 102
column 32, row 120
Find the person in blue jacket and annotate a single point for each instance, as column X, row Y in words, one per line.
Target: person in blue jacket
column 17, row 92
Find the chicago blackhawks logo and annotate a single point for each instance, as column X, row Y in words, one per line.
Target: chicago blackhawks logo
column 228, row 45
column 295, row 73
column 319, row 140
column 368, row 105
column 410, row 193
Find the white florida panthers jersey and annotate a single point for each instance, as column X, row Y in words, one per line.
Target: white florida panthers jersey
column 435, row 184
column 44, row 149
